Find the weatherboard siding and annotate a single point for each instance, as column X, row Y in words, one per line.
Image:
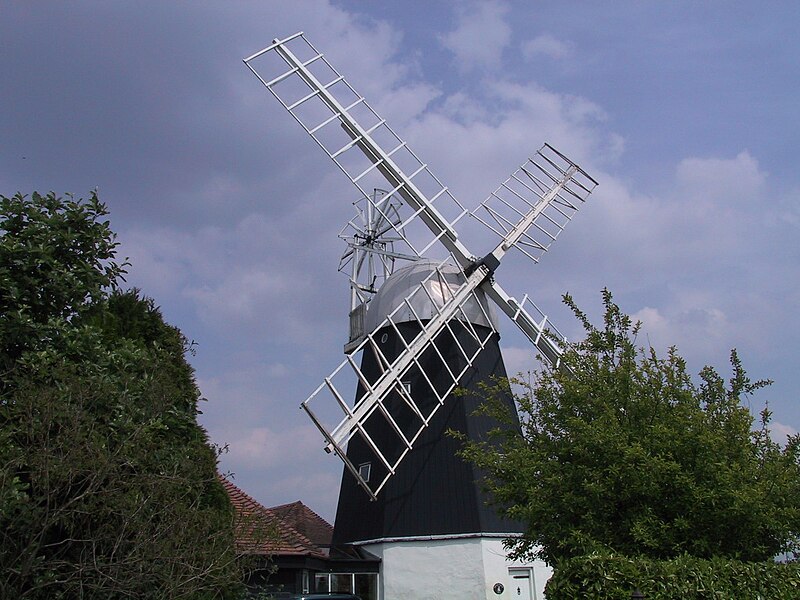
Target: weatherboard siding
column 434, row 491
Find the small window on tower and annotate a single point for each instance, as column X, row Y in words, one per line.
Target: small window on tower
column 364, row 470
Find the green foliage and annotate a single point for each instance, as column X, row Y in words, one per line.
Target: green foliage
column 620, row 451
column 614, row 577
column 108, row 485
column 56, row 259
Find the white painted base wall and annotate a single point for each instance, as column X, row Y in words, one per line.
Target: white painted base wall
column 462, row 568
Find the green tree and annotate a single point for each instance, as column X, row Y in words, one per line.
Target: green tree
column 622, row 452
column 56, row 260
column 108, row 485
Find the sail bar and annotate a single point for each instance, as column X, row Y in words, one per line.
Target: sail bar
column 275, row 42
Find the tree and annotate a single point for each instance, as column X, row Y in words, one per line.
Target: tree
column 108, row 485
column 621, row 451
column 56, row 260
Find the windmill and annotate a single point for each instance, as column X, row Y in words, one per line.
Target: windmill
column 429, row 327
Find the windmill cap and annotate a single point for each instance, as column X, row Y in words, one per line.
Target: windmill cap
column 403, row 282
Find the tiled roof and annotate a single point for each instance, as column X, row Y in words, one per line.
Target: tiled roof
column 305, row 521
column 290, row 529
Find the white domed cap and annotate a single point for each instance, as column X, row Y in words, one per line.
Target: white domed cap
column 404, row 281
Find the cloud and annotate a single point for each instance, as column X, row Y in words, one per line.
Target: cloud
column 519, row 360
column 787, row 209
column 252, row 276
column 546, row 45
column 275, row 453
column 281, row 466
column 698, row 330
column 688, row 248
column 267, row 448
column 652, row 320
column 683, row 261
column 780, row 432
column 474, row 142
column 480, row 36
column 721, row 182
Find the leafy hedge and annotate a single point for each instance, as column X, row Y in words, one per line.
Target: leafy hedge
column 608, row 576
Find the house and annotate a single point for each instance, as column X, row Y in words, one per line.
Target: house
column 288, row 550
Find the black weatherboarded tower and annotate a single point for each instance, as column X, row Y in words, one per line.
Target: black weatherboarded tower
column 433, row 492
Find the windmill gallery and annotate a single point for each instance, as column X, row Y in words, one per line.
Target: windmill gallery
column 423, row 322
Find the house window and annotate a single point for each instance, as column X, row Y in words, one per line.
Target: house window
column 305, row 582
column 364, row 470
column 321, row 582
column 342, row 582
column 364, row 585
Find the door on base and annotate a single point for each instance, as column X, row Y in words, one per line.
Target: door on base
column 521, row 584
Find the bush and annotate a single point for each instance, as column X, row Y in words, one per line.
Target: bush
column 613, row 576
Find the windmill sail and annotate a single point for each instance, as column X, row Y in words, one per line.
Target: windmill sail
column 360, row 142
column 530, row 208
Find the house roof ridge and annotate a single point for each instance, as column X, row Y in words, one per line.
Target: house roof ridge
column 305, row 506
column 288, row 504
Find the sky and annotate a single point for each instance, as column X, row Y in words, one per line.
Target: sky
column 685, row 112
